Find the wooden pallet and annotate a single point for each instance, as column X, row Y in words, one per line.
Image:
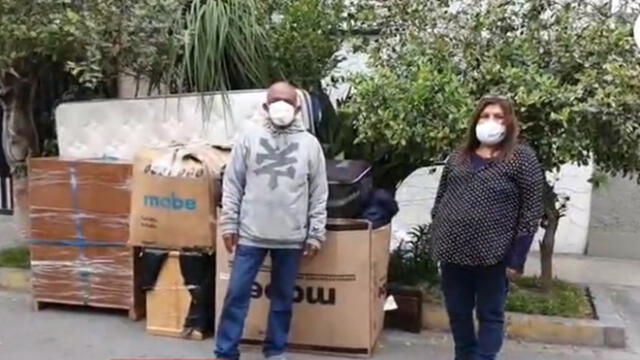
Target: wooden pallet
column 132, row 313
column 194, row 335
column 135, row 307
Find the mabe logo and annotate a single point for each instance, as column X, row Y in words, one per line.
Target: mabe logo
column 172, row 202
column 310, row 294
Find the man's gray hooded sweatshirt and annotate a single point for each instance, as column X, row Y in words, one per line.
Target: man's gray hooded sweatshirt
column 275, row 188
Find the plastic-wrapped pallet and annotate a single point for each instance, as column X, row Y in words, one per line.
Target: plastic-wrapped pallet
column 79, row 226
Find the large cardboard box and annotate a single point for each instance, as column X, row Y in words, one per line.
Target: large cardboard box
column 339, row 296
column 174, row 197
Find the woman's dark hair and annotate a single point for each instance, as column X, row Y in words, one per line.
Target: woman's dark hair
column 511, row 138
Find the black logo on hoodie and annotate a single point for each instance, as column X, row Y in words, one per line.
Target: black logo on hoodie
column 276, row 162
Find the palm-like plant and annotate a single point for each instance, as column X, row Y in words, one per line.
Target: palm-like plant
column 224, row 46
column 412, row 262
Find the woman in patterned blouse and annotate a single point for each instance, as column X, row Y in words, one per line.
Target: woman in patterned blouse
column 487, row 210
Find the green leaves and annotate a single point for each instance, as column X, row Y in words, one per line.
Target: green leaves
column 223, row 46
column 95, row 39
column 192, row 45
column 571, row 67
column 303, row 38
column 412, row 263
column 235, row 44
column 419, row 111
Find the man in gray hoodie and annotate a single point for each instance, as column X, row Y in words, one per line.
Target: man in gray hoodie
column 274, row 202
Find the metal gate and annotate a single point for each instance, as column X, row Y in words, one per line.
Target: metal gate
column 6, row 184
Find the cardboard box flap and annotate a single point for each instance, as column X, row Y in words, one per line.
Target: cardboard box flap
column 184, row 161
column 347, row 225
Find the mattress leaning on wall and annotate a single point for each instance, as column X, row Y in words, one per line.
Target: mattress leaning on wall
column 119, row 128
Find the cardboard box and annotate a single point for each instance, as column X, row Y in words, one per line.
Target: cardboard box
column 174, row 197
column 339, row 296
column 86, row 200
column 169, row 302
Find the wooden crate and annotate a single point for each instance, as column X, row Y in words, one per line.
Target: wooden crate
column 79, row 200
column 408, row 315
column 168, row 303
column 101, row 186
column 79, row 227
column 87, row 276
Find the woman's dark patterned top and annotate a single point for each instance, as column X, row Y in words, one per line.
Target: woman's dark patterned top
column 479, row 212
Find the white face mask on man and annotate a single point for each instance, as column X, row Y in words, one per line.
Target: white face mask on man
column 281, row 113
column 490, row 132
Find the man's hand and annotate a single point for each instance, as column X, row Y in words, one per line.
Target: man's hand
column 230, row 242
column 310, row 251
column 513, row 274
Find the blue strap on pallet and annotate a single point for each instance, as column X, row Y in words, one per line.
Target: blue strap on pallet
column 74, row 243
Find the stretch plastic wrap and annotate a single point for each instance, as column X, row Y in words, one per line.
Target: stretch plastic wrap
column 79, row 211
column 96, row 276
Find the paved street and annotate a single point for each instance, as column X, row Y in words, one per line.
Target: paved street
column 8, row 232
column 67, row 334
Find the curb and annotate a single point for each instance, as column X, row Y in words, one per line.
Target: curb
column 608, row 314
column 15, row 279
column 608, row 330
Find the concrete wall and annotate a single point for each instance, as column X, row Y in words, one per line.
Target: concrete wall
column 615, row 220
column 573, row 181
column 127, row 88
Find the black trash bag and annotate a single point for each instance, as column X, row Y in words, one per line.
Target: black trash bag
column 380, row 208
column 198, row 273
column 152, row 261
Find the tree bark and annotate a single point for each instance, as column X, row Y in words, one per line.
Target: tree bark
column 19, row 140
column 19, row 136
column 550, row 224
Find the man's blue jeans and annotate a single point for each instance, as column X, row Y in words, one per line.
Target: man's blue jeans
column 484, row 288
column 247, row 262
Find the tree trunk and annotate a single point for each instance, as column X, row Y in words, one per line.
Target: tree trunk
column 19, row 140
column 550, row 224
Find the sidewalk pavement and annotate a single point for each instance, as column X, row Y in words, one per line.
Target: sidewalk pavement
column 589, row 269
column 622, row 277
column 73, row 334
column 8, row 232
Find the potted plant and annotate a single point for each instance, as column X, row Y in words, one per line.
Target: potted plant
column 413, row 277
